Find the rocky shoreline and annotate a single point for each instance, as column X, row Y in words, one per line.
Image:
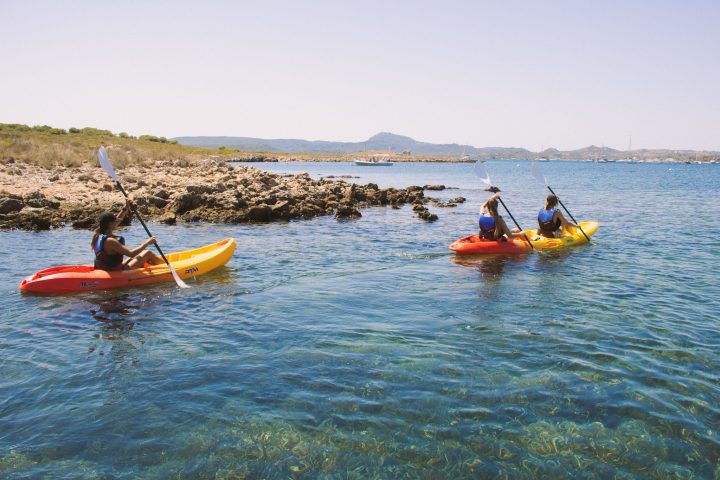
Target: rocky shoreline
column 171, row 191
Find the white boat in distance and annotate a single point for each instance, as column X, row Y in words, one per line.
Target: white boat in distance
column 376, row 160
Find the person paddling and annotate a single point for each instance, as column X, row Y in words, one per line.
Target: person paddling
column 551, row 221
column 492, row 225
column 110, row 249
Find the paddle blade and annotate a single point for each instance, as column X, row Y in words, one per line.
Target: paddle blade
column 482, row 173
column 177, row 278
column 105, row 163
column 538, row 174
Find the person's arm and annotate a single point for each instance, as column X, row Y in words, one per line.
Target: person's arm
column 116, row 247
column 121, row 216
column 483, row 207
column 565, row 223
column 506, row 230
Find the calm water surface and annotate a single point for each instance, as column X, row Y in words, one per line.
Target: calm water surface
column 364, row 349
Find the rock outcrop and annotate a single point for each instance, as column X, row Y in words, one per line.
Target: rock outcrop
column 35, row 198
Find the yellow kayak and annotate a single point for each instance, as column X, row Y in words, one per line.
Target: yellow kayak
column 569, row 238
column 474, row 245
column 82, row 278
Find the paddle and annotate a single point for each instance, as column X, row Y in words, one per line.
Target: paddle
column 484, row 176
column 105, row 164
column 537, row 173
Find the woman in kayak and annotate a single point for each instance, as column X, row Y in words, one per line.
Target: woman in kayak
column 110, row 248
column 551, row 221
column 492, row 225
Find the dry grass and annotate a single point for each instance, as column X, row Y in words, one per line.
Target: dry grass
column 70, row 150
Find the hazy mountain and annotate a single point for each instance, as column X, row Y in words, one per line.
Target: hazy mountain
column 382, row 141
column 392, row 143
column 597, row 151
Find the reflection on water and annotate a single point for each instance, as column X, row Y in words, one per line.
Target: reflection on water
column 491, row 267
column 221, row 275
column 112, row 309
column 364, row 350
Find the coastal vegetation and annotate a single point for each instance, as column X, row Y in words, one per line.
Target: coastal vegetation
column 49, row 147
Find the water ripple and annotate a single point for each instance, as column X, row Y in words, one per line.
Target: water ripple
column 365, row 350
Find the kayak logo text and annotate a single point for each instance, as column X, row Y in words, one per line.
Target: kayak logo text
column 192, row 270
column 89, row 284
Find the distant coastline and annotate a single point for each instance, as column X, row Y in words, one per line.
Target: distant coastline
column 47, row 146
column 402, row 148
column 259, row 157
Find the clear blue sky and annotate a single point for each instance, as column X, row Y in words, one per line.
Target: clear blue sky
column 529, row 74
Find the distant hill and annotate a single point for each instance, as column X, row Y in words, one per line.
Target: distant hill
column 397, row 144
column 382, row 141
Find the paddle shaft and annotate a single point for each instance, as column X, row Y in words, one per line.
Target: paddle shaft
column 137, row 214
column 516, row 223
column 568, row 212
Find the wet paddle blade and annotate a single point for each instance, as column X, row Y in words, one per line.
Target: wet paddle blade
column 537, row 173
column 482, row 173
column 177, row 278
column 105, row 163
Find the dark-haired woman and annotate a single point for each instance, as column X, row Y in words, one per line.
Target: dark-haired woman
column 110, row 248
column 551, row 222
column 492, row 225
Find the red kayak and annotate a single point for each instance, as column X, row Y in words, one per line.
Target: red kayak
column 475, row 245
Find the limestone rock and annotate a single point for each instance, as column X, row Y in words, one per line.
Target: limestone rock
column 347, row 211
column 10, row 204
column 259, row 213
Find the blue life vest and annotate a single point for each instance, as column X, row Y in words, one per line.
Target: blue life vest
column 545, row 220
column 105, row 261
column 487, row 224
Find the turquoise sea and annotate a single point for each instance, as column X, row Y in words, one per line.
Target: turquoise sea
column 364, row 349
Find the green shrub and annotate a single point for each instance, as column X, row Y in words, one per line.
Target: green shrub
column 153, row 138
column 49, row 129
column 18, row 127
column 74, row 130
column 123, row 135
column 96, row 131
column 221, row 147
